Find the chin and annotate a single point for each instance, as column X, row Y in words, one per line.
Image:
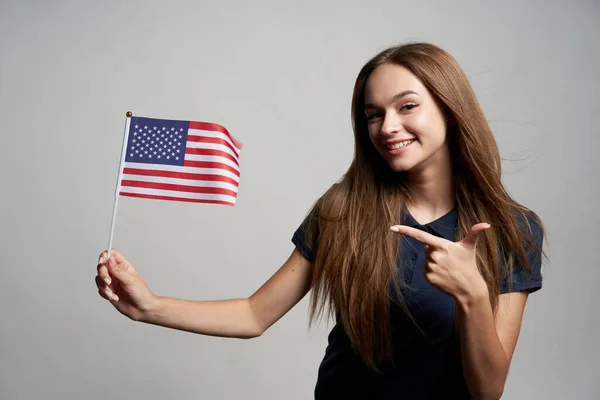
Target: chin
column 397, row 166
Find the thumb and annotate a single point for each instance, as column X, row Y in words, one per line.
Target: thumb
column 121, row 268
column 473, row 235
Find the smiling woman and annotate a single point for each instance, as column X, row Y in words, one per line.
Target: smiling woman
column 418, row 251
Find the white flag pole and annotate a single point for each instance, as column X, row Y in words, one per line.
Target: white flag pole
column 118, row 185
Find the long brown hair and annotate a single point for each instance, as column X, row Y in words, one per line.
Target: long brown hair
column 356, row 258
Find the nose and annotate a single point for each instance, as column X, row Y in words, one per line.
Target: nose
column 391, row 125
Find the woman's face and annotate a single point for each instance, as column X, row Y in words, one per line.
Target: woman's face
column 406, row 125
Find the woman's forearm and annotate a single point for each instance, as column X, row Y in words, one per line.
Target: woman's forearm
column 485, row 363
column 225, row 318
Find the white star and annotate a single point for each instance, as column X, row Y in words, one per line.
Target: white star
column 146, row 127
column 137, row 151
column 154, row 128
column 154, row 152
column 168, row 157
column 131, row 155
column 178, row 150
column 134, row 133
column 177, row 158
column 164, row 129
column 146, row 152
column 164, row 153
column 172, row 129
column 180, row 136
column 180, row 129
column 141, row 155
column 136, row 126
column 150, row 156
column 178, row 143
column 159, row 157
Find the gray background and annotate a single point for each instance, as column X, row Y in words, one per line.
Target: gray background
column 279, row 76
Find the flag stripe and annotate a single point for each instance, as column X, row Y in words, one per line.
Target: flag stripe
column 211, row 146
column 206, row 164
column 180, row 175
column 210, row 127
column 177, row 188
column 194, row 200
column 209, row 152
column 179, row 181
column 212, row 137
column 217, row 159
column 186, row 169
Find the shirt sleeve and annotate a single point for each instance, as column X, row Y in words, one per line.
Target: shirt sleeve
column 522, row 278
column 305, row 238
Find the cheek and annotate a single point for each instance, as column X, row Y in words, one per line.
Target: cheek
column 427, row 129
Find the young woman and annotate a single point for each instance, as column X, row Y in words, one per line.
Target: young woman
column 419, row 251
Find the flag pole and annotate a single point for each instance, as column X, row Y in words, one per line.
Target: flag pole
column 118, row 185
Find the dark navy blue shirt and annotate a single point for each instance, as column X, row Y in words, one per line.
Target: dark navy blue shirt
column 427, row 363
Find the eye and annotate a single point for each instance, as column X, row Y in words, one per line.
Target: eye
column 373, row 116
column 408, row 107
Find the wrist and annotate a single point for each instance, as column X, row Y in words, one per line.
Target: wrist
column 151, row 310
column 473, row 296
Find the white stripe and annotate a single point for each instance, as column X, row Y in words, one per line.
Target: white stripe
column 181, row 195
column 218, row 159
column 178, row 181
column 189, row 170
column 212, row 146
column 213, row 134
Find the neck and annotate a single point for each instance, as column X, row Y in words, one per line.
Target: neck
column 431, row 188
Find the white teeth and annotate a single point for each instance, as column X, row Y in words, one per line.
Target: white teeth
column 399, row 144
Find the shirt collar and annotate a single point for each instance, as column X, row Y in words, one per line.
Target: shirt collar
column 445, row 226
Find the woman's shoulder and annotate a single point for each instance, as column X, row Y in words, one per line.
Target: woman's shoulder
column 529, row 223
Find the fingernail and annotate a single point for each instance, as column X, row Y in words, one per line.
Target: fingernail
column 115, row 298
column 395, row 229
column 109, row 294
column 111, row 260
column 100, row 260
column 107, row 281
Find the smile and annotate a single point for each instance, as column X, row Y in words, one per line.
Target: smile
column 399, row 144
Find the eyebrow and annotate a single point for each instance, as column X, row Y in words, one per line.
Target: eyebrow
column 395, row 98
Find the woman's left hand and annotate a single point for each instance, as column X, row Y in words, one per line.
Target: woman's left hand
column 451, row 266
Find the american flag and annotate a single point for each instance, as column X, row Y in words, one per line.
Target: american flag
column 179, row 160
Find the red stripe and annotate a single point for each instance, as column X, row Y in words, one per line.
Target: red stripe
column 211, row 152
column 178, row 188
column 208, row 126
column 150, row 196
column 208, row 164
column 179, row 175
column 206, row 139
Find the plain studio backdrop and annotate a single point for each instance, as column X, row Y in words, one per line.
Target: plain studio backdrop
column 279, row 76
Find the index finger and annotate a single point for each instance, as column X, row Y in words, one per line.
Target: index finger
column 423, row 237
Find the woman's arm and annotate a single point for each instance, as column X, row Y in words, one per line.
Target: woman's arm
column 488, row 342
column 239, row 318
